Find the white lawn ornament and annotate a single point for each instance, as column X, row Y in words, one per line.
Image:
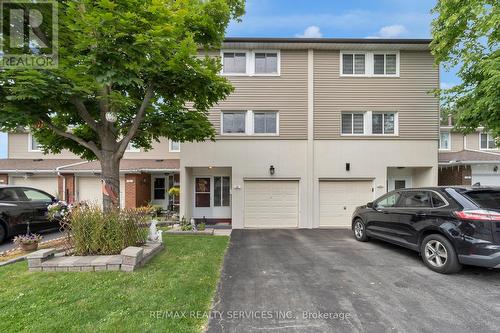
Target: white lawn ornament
column 160, row 236
column 193, row 224
column 153, row 231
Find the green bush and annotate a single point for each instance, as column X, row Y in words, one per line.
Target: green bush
column 95, row 232
column 201, row 226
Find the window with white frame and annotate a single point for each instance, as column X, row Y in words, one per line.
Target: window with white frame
column 384, row 64
column 383, row 123
column 132, row 149
column 487, row 141
column 250, row 123
column 353, row 63
column 174, row 146
column 266, row 63
column 234, row 62
column 234, row 122
column 444, row 141
column 353, row 123
column 369, row 63
column 369, row 123
column 264, row 122
column 33, row 144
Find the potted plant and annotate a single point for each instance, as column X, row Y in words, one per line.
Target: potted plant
column 28, row 242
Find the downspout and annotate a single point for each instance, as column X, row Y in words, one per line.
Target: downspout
column 58, row 170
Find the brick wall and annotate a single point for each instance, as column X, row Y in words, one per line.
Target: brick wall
column 4, row 179
column 137, row 190
column 67, row 193
column 455, row 175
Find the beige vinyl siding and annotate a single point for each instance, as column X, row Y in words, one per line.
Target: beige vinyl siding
column 457, row 141
column 408, row 94
column 286, row 94
column 18, row 148
column 473, row 141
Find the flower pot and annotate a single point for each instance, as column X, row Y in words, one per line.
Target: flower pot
column 29, row 246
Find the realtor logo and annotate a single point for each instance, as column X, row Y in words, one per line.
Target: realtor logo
column 28, row 34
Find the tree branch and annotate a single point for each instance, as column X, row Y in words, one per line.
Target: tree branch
column 89, row 145
column 84, row 114
column 137, row 121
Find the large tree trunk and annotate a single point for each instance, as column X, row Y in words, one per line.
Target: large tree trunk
column 110, row 166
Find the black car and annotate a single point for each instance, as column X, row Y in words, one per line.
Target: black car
column 448, row 226
column 23, row 206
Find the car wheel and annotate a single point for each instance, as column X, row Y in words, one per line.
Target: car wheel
column 439, row 254
column 359, row 230
column 3, row 233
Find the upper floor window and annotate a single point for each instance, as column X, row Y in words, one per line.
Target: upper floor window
column 33, row 145
column 174, row 146
column 487, row 141
column 383, row 123
column 255, row 62
column 250, row 122
column 369, row 123
column 132, row 149
column 265, row 122
column 234, row 63
column 353, row 64
column 369, row 63
column 384, row 64
column 444, row 141
column 266, row 63
column 353, row 123
column 233, row 122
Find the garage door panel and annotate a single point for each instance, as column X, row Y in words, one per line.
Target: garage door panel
column 271, row 204
column 46, row 184
column 339, row 199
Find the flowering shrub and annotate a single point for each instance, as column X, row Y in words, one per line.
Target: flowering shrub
column 27, row 239
column 58, row 210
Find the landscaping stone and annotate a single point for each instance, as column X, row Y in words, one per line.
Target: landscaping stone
column 128, row 260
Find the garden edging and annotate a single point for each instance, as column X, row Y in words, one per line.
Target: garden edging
column 128, row 260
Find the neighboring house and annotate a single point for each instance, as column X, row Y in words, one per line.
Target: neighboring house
column 468, row 159
column 144, row 176
column 314, row 128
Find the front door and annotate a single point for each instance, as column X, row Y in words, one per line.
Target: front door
column 159, row 189
column 212, row 197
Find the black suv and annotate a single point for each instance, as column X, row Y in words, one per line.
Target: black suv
column 448, row 226
column 20, row 206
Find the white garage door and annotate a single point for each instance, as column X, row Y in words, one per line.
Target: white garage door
column 89, row 189
column 271, row 204
column 46, row 184
column 485, row 175
column 338, row 199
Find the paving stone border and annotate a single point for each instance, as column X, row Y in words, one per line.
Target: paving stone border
column 128, row 260
column 191, row 232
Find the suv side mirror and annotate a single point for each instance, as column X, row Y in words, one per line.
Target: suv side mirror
column 369, row 205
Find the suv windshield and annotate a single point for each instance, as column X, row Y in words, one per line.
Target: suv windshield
column 485, row 199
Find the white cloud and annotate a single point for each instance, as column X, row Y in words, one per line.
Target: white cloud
column 311, row 32
column 392, row 31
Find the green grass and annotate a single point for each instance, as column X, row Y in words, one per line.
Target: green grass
column 183, row 277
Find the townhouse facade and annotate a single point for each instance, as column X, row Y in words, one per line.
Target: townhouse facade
column 145, row 177
column 314, row 128
column 472, row 159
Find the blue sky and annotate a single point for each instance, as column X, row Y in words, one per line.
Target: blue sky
column 333, row 18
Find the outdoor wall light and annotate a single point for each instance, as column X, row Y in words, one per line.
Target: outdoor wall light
column 495, row 169
column 272, row 170
column 347, row 166
column 111, row 117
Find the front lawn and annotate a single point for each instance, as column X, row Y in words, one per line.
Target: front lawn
column 181, row 278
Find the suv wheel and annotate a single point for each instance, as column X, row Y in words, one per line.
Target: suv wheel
column 439, row 255
column 359, row 230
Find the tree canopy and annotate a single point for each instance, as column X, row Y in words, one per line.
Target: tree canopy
column 136, row 59
column 466, row 33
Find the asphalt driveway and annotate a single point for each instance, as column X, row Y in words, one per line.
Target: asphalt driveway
column 325, row 281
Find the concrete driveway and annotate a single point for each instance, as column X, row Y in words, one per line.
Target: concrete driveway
column 325, row 281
